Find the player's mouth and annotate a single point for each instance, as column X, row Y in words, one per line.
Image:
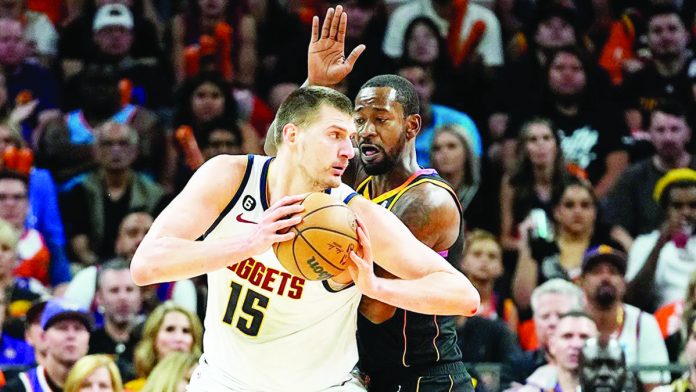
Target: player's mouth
column 370, row 152
column 337, row 170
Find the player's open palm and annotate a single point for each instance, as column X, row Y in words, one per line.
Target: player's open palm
column 327, row 62
column 362, row 267
column 274, row 223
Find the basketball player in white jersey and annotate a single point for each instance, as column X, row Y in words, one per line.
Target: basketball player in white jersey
column 267, row 330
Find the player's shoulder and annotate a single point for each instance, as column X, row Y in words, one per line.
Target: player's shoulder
column 226, row 165
column 432, row 196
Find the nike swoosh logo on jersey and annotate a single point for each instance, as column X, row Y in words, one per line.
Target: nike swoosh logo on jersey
column 242, row 220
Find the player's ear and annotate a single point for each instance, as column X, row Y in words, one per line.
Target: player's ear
column 290, row 133
column 413, row 125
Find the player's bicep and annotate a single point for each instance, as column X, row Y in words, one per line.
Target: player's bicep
column 193, row 210
column 394, row 247
column 431, row 214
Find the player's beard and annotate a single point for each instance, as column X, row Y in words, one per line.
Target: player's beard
column 381, row 167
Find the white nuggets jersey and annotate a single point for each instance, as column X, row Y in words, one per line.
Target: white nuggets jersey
column 265, row 329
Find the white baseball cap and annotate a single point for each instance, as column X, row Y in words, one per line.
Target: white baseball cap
column 112, row 15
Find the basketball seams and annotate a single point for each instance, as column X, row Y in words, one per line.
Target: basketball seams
column 326, row 229
column 299, row 234
column 294, row 258
column 322, row 208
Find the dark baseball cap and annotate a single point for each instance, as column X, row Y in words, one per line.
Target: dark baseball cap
column 58, row 309
column 604, row 253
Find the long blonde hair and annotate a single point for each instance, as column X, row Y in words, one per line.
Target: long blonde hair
column 88, row 365
column 169, row 372
column 145, row 352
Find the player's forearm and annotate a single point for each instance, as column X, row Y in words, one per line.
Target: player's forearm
column 438, row 293
column 168, row 259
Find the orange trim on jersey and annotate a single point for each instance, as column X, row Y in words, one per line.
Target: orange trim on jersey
column 388, row 194
column 437, row 334
column 403, row 357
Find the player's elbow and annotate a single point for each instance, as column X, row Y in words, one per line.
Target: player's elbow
column 142, row 274
column 471, row 302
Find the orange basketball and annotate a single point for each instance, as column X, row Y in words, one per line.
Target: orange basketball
column 323, row 240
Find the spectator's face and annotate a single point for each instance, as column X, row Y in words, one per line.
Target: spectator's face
column 555, row 32
column 14, row 202
column 10, row 9
column 602, row 369
column 422, row 45
column 380, row 121
column 33, row 336
column 566, row 75
column 576, row 212
column 690, row 348
column 12, row 46
column 359, row 18
column 547, row 313
column 483, row 260
column 120, row 296
column 174, row 335
column 131, row 233
column 66, row 341
column 212, row 8
column 681, row 206
column 127, row 3
column 207, row 102
column 422, row 81
column 8, row 259
column 669, row 134
column 98, row 381
column 115, row 148
column 567, row 341
column 114, row 40
column 603, row 284
column 3, row 91
column 667, row 36
column 540, row 144
column 449, row 153
column 222, row 141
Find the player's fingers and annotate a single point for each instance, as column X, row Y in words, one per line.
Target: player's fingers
column 287, row 200
column 335, row 20
column 285, row 223
column 365, row 244
column 283, row 212
column 325, row 28
column 353, row 56
column 342, row 28
column 285, row 237
column 361, row 224
column 315, row 30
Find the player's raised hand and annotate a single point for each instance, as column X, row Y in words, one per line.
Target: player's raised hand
column 326, row 60
column 362, row 267
column 282, row 215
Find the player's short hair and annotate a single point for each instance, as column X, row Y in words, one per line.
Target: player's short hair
column 302, row 106
column 562, row 287
column 406, row 94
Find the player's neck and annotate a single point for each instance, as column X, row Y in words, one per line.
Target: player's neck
column 284, row 180
column 403, row 168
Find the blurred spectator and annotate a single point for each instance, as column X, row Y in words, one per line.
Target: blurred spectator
column 565, row 346
column 95, row 207
column 13, row 351
column 25, row 81
column 40, row 35
column 553, row 27
column 670, row 75
column 35, row 258
column 478, row 29
column 132, row 229
column 589, row 129
column 43, row 214
column 539, row 173
column 482, row 263
column 67, row 147
column 452, row 155
column 169, row 328
column 209, row 35
column 220, row 137
column 630, row 206
column 558, row 255
column 94, row 373
column 119, row 300
column 603, row 282
column 660, row 261
column 20, row 292
column 66, row 330
column 33, row 332
column 435, row 115
column 673, row 319
column 77, row 43
column 172, row 374
column 549, row 301
column 603, row 367
column 688, row 380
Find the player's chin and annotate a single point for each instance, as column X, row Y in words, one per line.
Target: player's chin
column 333, row 181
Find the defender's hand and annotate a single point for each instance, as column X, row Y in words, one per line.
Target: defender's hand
column 362, row 267
column 327, row 64
column 282, row 215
